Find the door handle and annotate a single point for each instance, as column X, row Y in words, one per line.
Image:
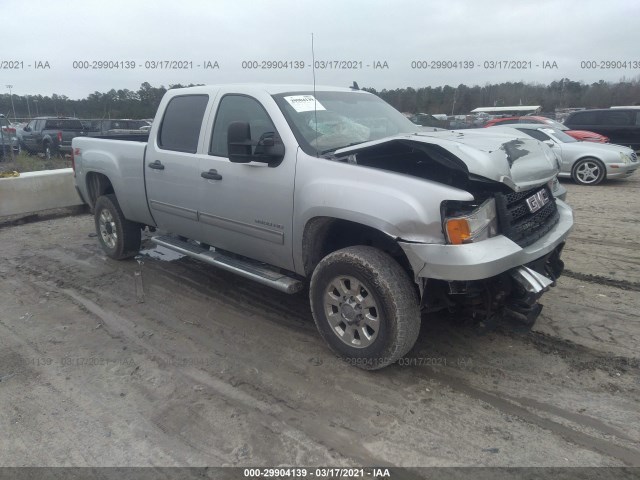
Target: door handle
column 157, row 165
column 211, row 175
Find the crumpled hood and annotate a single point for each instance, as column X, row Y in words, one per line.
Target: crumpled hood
column 520, row 162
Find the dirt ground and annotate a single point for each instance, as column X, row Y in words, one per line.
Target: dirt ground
column 171, row 363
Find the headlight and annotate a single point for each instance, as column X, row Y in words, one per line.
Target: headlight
column 479, row 224
column 624, row 158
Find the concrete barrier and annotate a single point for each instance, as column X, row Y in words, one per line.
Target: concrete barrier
column 37, row 191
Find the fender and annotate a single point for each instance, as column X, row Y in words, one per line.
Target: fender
column 400, row 206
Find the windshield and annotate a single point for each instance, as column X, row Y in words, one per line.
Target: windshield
column 558, row 135
column 554, row 124
column 343, row 119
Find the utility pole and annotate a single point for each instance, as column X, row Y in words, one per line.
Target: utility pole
column 12, row 106
column 454, row 101
column 28, row 109
column 36, row 104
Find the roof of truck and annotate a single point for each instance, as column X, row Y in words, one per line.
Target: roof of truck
column 271, row 89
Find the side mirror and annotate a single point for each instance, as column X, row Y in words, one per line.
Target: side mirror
column 240, row 146
column 26, row 129
column 239, row 142
column 269, row 147
column 550, row 143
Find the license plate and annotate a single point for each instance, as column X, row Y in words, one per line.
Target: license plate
column 538, row 200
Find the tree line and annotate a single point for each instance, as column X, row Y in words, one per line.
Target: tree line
column 142, row 103
column 462, row 99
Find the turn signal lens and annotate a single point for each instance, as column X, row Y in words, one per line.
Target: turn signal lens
column 458, row 230
column 479, row 224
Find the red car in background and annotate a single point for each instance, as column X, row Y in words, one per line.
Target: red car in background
column 582, row 135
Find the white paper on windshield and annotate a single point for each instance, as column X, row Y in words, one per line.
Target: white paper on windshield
column 304, row 103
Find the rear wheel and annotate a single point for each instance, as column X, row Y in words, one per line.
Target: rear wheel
column 119, row 237
column 47, row 151
column 588, row 171
column 365, row 306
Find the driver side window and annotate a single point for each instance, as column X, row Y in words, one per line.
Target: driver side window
column 239, row 108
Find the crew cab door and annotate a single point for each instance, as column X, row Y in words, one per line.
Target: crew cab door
column 172, row 171
column 247, row 208
column 31, row 135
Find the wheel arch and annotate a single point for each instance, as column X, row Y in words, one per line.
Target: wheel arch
column 324, row 235
column 98, row 184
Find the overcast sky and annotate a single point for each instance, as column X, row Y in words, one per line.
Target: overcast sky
column 232, row 31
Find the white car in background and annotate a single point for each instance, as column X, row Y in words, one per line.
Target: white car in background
column 587, row 163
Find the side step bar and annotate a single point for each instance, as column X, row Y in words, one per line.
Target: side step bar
column 245, row 268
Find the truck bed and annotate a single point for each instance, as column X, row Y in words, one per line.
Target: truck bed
column 123, row 155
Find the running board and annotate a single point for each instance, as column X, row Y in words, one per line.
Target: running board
column 255, row 271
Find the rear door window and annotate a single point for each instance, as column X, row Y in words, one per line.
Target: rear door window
column 71, row 125
column 180, row 128
column 616, row 118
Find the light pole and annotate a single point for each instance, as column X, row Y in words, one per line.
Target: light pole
column 36, row 104
column 12, row 106
column 28, row 109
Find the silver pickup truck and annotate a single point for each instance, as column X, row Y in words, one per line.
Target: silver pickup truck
column 333, row 189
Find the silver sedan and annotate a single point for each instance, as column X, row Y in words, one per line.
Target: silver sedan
column 587, row 163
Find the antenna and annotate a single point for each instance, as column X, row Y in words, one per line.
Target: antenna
column 315, row 101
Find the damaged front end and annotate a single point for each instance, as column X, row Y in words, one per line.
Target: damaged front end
column 501, row 251
column 508, row 298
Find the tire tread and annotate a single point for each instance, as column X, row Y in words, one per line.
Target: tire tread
column 131, row 231
column 389, row 277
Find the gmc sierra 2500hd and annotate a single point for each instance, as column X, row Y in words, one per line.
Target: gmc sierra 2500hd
column 288, row 185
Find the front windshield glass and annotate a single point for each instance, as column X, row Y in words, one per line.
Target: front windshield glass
column 343, row 119
column 554, row 124
column 558, row 135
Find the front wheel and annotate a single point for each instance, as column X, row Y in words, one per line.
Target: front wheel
column 588, row 171
column 365, row 306
column 120, row 238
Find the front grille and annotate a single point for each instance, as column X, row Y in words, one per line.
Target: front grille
column 518, row 223
column 634, row 157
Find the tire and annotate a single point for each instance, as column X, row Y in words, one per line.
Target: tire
column 365, row 306
column 588, row 171
column 47, row 151
column 119, row 237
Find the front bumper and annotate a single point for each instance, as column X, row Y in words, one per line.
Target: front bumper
column 621, row 170
column 485, row 259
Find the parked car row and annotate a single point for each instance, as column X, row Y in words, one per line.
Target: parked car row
column 582, row 135
column 52, row 135
column 587, row 163
column 97, row 128
column 8, row 138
